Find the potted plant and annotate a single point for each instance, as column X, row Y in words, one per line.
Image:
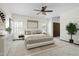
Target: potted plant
column 72, row 29
column 8, row 29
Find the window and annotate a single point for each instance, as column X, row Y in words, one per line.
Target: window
column 18, row 29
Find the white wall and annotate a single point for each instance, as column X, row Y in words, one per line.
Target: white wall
column 50, row 27
column 1, row 46
column 65, row 19
column 50, row 24
column 6, row 41
column 2, row 26
column 21, row 18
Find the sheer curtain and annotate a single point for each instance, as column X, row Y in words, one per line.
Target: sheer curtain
column 18, row 29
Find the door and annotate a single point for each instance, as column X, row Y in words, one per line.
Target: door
column 56, row 29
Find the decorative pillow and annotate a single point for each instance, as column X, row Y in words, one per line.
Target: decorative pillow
column 36, row 32
column 33, row 32
column 45, row 33
column 28, row 33
column 39, row 32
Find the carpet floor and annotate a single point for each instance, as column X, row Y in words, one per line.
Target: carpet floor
column 59, row 48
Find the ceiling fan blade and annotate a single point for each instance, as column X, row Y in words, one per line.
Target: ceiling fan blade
column 48, row 11
column 43, row 13
column 37, row 10
column 38, row 13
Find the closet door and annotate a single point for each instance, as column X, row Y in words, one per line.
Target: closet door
column 56, row 29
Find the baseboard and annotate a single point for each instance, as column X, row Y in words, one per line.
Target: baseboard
column 68, row 42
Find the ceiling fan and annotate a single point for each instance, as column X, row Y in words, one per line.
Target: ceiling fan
column 43, row 10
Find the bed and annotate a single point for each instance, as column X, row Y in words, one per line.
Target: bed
column 36, row 40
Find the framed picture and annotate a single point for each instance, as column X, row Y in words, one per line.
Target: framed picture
column 32, row 24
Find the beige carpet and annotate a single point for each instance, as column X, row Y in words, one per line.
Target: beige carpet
column 18, row 48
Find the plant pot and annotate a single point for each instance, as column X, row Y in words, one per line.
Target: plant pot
column 71, row 40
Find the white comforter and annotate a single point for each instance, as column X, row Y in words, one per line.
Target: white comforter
column 35, row 36
column 36, row 40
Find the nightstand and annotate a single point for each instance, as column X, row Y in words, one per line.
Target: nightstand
column 21, row 37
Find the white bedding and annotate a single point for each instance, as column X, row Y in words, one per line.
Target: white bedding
column 37, row 39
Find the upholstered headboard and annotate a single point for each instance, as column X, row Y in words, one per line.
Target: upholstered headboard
column 29, row 32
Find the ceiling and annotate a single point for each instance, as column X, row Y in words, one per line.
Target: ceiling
column 28, row 8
